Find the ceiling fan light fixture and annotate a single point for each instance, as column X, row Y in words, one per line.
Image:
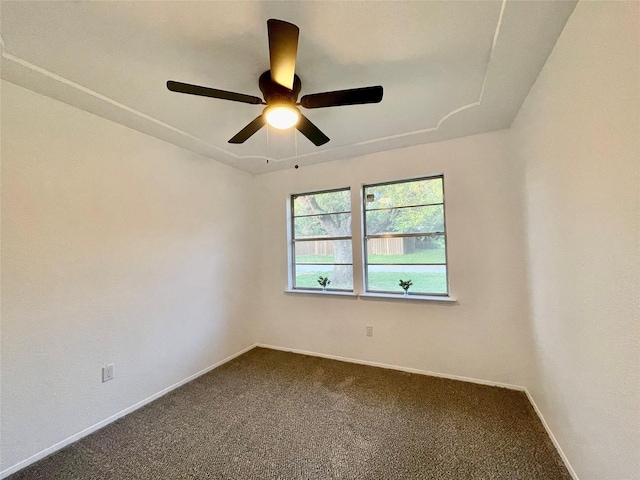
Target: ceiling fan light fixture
column 281, row 116
column 280, row 87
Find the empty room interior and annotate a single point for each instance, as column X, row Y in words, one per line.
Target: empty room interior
column 431, row 271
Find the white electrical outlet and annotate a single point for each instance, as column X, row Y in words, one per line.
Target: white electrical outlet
column 369, row 331
column 107, row 373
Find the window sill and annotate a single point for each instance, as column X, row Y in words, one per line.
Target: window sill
column 320, row 292
column 420, row 298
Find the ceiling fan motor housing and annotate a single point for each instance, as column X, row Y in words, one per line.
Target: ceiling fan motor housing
column 275, row 93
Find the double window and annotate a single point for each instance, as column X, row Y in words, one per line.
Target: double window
column 404, row 238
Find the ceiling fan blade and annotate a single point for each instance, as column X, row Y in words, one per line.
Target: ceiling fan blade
column 211, row 92
column 310, row 131
column 283, row 49
column 353, row 96
column 244, row 134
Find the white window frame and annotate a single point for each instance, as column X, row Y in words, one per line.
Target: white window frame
column 365, row 237
column 293, row 240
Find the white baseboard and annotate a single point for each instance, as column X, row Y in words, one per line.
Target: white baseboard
column 395, row 367
column 77, row 436
column 564, row 458
column 112, row 418
column 441, row 375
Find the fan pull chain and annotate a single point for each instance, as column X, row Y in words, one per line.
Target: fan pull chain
column 268, row 155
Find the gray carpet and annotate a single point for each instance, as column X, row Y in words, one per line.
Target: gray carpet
column 277, row 415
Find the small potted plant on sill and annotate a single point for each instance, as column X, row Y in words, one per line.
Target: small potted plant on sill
column 324, row 281
column 405, row 284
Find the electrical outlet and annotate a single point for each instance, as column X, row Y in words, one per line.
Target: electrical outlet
column 369, row 331
column 107, row 373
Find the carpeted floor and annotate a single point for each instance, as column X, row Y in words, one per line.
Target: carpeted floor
column 277, row 415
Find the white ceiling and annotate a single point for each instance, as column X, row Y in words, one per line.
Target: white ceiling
column 448, row 68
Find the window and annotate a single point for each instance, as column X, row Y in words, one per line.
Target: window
column 321, row 240
column 404, row 237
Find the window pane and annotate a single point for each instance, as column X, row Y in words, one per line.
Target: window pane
column 430, row 249
column 430, row 279
column 322, row 203
column 406, row 220
column 316, row 217
column 419, row 192
column 332, row 225
column 341, row 276
column 324, row 251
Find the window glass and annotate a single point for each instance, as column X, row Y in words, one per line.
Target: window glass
column 322, row 202
column 405, row 237
column 332, row 225
column 321, row 251
column 431, row 280
column 401, row 194
column 321, row 240
column 428, row 219
column 407, row 250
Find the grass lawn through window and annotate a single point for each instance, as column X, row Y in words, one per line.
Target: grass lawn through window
column 423, row 282
column 434, row 255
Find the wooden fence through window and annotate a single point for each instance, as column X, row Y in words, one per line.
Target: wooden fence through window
column 376, row 246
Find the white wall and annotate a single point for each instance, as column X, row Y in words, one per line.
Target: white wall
column 577, row 135
column 116, row 247
column 485, row 336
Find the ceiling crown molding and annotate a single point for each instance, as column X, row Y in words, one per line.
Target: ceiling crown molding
column 19, row 62
column 189, row 141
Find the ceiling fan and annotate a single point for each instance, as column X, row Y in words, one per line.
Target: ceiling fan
column 280, row 87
